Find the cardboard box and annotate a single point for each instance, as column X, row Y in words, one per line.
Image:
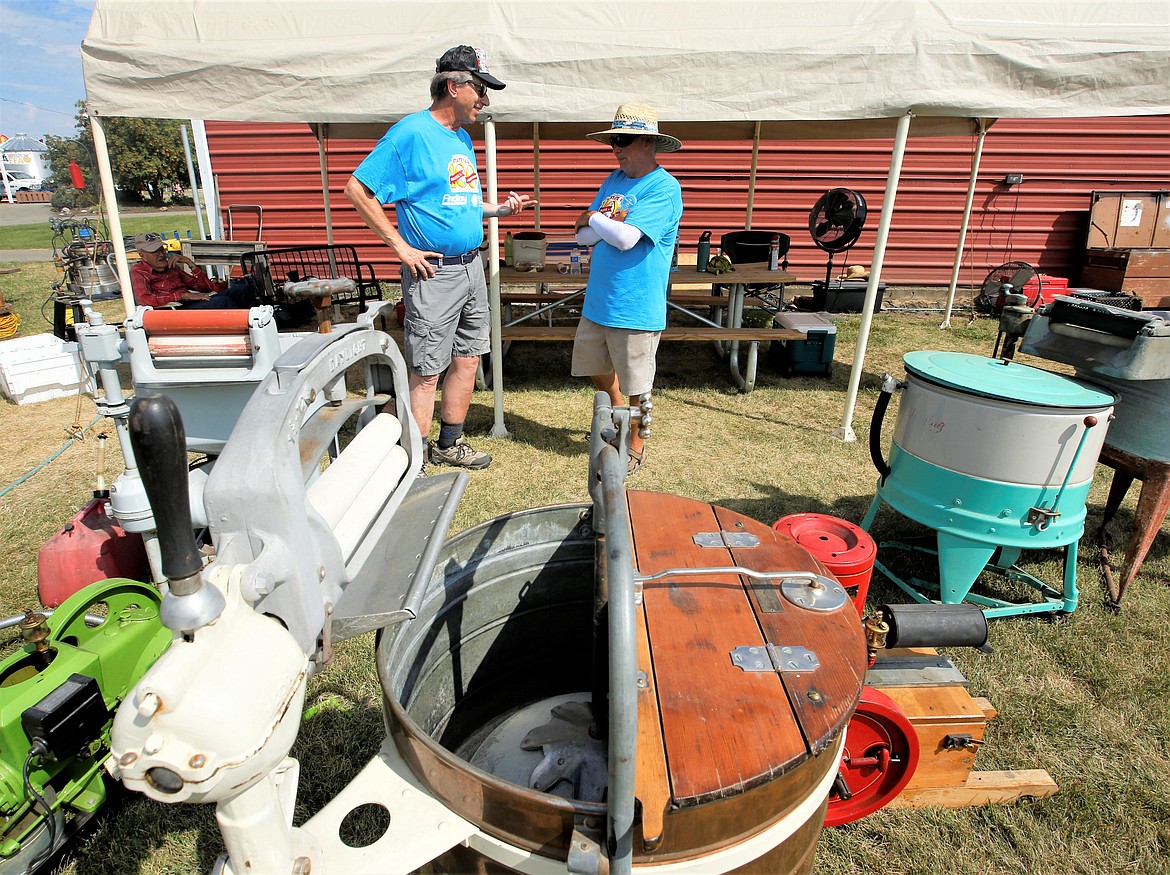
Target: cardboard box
column 40, row 367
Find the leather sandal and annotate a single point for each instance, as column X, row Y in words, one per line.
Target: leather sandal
column 636, row 460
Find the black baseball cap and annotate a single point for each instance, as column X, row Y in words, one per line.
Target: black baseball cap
column 469, row 59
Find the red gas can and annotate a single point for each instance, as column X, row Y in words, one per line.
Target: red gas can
column 845, row 549
column 91, row 547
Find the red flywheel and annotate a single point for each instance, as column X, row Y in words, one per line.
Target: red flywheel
column 881, row 753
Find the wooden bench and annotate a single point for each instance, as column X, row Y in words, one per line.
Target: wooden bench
column 674, row 332
column 685, row 300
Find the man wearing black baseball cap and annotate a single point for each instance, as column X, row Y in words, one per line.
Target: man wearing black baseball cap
column 470, row 61
column 425, row 168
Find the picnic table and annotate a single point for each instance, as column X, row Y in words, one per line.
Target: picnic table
column 719, row 314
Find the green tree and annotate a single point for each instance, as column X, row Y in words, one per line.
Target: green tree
column 146, row 155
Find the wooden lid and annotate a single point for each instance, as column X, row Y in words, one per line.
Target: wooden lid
column 724, row 729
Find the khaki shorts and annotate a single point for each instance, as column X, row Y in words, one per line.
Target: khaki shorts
column 446, row 315
column 599, row 350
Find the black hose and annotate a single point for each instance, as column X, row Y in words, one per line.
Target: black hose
column 875, row 434
column 40, row 749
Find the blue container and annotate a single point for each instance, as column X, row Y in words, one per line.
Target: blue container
column 996, row 457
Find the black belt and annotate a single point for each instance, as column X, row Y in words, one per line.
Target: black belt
column 465, row 258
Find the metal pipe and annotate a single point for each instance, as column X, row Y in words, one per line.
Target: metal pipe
column 751, row 200
column 845, row 431
column 975, row 159
column 109, row 194
column 194, row 182
column 536, row 175
column 623, row 664
column 210, row 195
column 323, row 160
column 497, row 339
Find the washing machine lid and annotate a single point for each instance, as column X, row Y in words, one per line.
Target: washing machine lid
column 1003, row 380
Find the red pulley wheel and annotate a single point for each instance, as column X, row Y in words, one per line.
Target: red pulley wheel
column 881, row 753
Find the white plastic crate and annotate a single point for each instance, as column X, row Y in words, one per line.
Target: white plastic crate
column 40, row 367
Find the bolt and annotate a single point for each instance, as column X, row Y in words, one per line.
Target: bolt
column 815, row 696
column 127, row 759
column 198, row 761
column 149, row 706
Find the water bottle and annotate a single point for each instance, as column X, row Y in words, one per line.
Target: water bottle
column 774, row 253
column 703, row 256
column 575, row 262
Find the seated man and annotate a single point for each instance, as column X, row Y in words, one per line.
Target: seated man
column 161, row 278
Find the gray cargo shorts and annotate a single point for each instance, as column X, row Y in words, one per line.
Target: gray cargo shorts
column 446, row 315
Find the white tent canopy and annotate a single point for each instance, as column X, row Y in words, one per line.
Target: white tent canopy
column 712, row 69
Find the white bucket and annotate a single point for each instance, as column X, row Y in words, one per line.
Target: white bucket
column 528, row 250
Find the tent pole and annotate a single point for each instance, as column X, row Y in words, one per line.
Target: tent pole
column 536, row 174
column 210, row 194
column 106, row 174
column 981, row 126
column 751, row 198
column 323, row 159
column 845, row 432
column 194, row 182
column 489, row 147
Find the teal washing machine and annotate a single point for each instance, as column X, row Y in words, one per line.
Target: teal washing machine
column 997, row 458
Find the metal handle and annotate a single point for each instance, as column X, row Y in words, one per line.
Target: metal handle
column 160, row 448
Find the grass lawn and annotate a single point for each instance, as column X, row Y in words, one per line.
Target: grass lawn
column 1085, row 698
column 40, row 236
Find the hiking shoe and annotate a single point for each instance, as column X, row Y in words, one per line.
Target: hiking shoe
column 460, row 454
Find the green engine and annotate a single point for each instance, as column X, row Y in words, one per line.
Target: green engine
column 58, row 694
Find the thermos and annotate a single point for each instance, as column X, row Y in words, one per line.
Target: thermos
column 703, row 257
column 508, row 249
column 774, row 253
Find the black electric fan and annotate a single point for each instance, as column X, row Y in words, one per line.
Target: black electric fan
column 1017, row 274
column 836, row 221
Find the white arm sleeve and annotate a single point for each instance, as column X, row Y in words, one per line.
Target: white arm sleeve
column 586, row 236
column 617, row 234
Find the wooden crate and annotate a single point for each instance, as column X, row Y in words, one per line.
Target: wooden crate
column 1141, row 272
column 944, row 776
column 1129, row 220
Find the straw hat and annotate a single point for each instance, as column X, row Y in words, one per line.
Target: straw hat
column 640, row 119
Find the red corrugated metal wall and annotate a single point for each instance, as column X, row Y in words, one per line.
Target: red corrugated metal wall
column 1043, row 221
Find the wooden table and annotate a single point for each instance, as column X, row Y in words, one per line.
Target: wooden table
column 723, row 319
column 1153, row 505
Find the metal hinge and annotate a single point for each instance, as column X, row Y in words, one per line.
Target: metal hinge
column 772, row 658
column 726, row 539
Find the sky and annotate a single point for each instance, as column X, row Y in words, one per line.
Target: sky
column 40, row 65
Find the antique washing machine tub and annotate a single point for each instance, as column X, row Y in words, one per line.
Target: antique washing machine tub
column 747, row 663
column 996, row 457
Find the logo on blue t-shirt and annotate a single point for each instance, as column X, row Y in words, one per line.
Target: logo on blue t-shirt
column 462, row 174
column 617, row 206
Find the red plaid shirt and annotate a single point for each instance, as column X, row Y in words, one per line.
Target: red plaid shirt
column 156, row 288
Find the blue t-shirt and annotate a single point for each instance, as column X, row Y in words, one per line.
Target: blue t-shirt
column 428, row 172
column 628, row 289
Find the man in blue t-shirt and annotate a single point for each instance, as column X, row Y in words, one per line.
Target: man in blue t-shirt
column 425, row 167
column 632, row 226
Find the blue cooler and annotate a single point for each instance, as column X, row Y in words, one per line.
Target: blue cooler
column 811, row 356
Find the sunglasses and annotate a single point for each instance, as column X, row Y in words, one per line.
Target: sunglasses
column 150, row 238
column 479, row 87
column 622, row 140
